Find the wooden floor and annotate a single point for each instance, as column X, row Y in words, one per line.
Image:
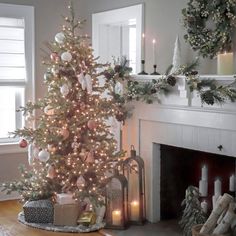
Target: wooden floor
column 9, row 226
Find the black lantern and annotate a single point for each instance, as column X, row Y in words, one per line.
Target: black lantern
column 133, row 169
column 117, row 202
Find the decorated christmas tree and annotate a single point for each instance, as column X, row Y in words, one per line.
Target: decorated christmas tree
column 70, row 147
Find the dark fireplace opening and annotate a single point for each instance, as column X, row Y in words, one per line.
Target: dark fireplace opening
column 181, row 167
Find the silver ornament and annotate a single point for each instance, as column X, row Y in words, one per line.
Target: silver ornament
column 60, row 37
column 64, row 89
column 66, row 56
column 44, row 156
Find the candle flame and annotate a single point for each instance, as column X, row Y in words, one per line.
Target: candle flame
column 134, row 203
column 143, row 35
column 117, row 212
column 154, row 41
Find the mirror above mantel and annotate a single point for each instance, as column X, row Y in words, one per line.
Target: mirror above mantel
column 117, row 33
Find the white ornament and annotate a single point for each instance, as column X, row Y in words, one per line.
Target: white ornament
column 31, row 154
column 80, row 181
column 89, row 84
column 64, row 89
column 48, row 110
column 44, row 156
column 36, row 152
column 177, row 56
column 60, row 37
column 55, row 71
column 66, row 56
column 82, row 80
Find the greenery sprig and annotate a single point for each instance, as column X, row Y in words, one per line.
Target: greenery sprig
column 192, row 213
column 209, row 90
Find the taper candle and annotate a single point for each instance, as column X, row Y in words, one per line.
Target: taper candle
column 143, row 47
column 154, row 51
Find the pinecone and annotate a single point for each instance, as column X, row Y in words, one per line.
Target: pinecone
column 117, row 68
column 207, row 97
column 194, row 72
column 171, row 80
column 108, row 75
column 153, row 90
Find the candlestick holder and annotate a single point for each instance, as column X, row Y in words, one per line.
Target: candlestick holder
column 143, row 68
column 155, row 70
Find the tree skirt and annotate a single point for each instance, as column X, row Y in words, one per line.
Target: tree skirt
column 67, row 229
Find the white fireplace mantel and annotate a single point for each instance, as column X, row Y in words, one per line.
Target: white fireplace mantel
column 179, row 121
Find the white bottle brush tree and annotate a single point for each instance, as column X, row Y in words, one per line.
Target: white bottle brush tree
column 193, row 213
column 71, row 149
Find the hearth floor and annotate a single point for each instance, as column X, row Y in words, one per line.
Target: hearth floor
column 163, row 228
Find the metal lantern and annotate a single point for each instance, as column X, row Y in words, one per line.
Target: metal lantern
column 117, row 202
column 133, row 169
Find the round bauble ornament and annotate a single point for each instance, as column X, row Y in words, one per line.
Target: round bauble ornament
column 44, row 156
column 51, row 172
column 54, row 56
column 48, row 110
column 60, row 38
column 23, row 143
column 31, row 154
column 55, row 71
column 65, row 133
column 51, row 148
column 64, row 89
column 47, row 75
column 92, row 124
column 66, row 56
column 80, row 182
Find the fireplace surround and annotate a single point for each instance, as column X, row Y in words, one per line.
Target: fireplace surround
column 179, row 121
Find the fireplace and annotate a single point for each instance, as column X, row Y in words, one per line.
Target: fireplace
column 180, row 168
column 179, row 121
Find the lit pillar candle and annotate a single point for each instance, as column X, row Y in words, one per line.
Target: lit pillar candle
column 134, row 211
column 204, row 206
column 232, row 183
column 143, row 46
column 225, row 64
column 116, row 217
column 154, row 51
column 204, row 173
column 203, row 188
column 217, row 187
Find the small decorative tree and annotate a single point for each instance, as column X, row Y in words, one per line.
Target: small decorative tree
column 193, row 213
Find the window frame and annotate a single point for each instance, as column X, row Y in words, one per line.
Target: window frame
column 28, row 13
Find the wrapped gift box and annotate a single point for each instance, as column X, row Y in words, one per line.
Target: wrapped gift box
column 40, row 211
column 87, row 218
column 66, row 214
column 65, row 198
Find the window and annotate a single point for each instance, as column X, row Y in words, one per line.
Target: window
column 16, row 65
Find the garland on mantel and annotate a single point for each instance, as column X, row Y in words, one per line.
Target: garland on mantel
column 209, row 90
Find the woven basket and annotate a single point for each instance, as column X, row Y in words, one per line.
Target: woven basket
column 196, row 232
